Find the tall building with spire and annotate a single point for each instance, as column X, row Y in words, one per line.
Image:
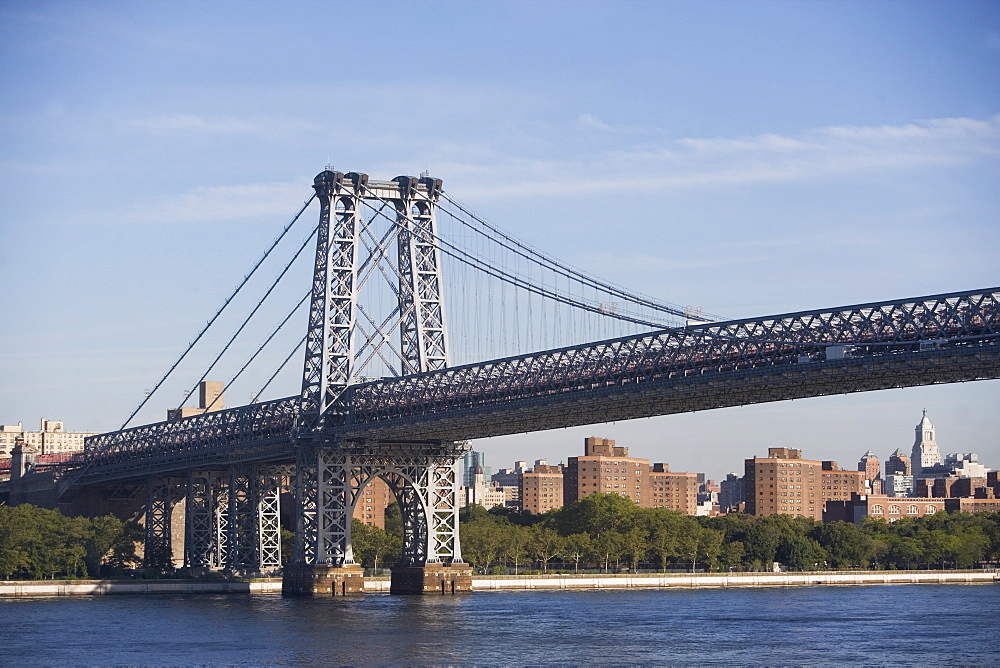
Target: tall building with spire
column 925, row 453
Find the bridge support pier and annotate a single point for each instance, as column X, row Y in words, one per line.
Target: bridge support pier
column 431, row 579
column 329, row 481
column 312, row 580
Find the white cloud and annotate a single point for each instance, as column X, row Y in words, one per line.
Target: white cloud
column 212, row 204
column 592, row 122
column 829, row 152
column 223, row 125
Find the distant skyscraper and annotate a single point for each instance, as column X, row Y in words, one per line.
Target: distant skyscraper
column 870, row 465
column 898, row 464
column 925, row 453
column 473, row 460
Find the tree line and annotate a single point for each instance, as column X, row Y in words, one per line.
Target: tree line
column 609, row 533
column 603, row 532
column 36, row 544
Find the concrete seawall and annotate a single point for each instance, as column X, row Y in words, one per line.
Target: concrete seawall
column 98, row 587
column 18, row 589
column 720, row 580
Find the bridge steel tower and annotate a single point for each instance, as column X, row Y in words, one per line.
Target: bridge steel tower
column 331, row 473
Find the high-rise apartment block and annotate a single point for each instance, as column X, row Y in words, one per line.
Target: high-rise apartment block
column 676, row 491
column 374, row 499
column 784, row 483
column 541, row 488
column 606, row 468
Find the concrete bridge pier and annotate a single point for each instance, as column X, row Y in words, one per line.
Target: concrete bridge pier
column 431, row 579
column 322, row 580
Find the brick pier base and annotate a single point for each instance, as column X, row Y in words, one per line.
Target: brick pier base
column 308, row 580
column 431, row 579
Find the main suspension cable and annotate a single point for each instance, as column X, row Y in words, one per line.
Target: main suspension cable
column 559, row 267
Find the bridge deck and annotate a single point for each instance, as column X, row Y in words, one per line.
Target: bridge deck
column 937, row 339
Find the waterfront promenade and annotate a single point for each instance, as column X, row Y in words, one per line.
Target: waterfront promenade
column 30, row 588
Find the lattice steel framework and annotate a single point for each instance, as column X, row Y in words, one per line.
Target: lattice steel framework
column 233, row 518
column 329, row 357
column 423, row 337
column 161, row 495
column 206, row 499
column 330, row 473
column 938, row 339
column 422, row 476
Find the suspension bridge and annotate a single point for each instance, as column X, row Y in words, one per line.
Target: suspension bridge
column 385, row 393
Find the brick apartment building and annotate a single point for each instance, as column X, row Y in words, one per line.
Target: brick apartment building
column 606, row 468
column 784, row 483
column 541, row 488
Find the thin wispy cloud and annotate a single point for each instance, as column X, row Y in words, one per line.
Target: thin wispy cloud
column 592, row 122
column 222, row 203
column 836, row 151
column 192, row 124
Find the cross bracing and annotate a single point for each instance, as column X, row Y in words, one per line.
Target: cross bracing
column 937, row 339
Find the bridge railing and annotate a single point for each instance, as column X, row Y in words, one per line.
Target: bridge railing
column 874, row 330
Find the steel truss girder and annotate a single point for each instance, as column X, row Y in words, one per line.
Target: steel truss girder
column 942, row 338
column 960, row 330
column 422, row 476
column 256, row 432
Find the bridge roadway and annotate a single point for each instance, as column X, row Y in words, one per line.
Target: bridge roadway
column 928, row 340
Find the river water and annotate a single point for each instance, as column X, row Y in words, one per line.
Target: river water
column 884, row 625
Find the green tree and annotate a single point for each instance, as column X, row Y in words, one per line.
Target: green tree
column 546, row 544
column 373, row 545
column 516, row 540
column 904, row 551
column 688, row 536
column 709, row 547
column 105, row 532
column 607, row 547
column 846, row 544
column 578, row 546
column 731, row 555
column 761, row 543
column 481, row 543
column 635, row 546
column 596, row 514
column 800, row 553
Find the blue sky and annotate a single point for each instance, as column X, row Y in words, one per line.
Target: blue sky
column 748, row 157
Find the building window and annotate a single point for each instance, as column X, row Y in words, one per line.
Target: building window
column 930, row 510
column 876, row 510
column 912, row 510
column 893, row 510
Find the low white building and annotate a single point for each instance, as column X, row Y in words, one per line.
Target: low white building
column 50, row 439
